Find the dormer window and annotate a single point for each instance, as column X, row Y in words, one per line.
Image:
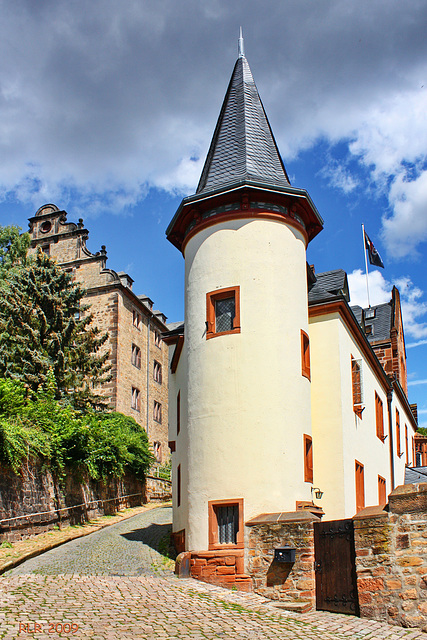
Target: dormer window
column 370, row 314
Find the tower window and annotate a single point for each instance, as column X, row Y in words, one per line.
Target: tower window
column 225, row 523
column 223, row 312
column 305, row 355
column 157, row 373
column 308, row 459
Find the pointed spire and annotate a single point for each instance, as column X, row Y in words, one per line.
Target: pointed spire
column 243, row 148
column 241, row 46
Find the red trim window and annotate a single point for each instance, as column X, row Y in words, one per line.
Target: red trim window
column 305, row 355
column 356, row 380
column 178, row 412
column 398, row 442
column 382, row 493
column 225, row 523
column 223, row 312
column 379, row 417
column 308, row 459
column 360, row 486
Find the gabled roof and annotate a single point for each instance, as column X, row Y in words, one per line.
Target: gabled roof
column 243, row 148
column 414, row 475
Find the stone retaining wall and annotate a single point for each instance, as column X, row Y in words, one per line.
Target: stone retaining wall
column 31, row 503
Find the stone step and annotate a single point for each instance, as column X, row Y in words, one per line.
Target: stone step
column 296, row 607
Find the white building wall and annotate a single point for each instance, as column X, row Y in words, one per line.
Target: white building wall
column 248, row 403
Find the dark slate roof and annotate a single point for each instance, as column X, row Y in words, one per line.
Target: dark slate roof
column 243, row 148
column 329, row 284
column 381, row 323
column 413, row 475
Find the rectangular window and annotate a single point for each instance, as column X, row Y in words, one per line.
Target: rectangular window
column 136, row 320
column 407, row 444
column 157, row 372
column 379, row 417
column 308, row 459
column 157, row 338
column 305, row 354
column 360, row 487
column 223, row 312
column 136, row 399
column 356, row 378
column 157, row 412
column 136, row 356
column 382, row 493
column 178, row 485
column 157, row 451
column 225, row 523
column 398, row 443
column 178, row 412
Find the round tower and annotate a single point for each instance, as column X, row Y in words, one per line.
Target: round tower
column 244, row 382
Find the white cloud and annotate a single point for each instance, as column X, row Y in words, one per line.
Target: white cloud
column 413, row 383
column 414, row 309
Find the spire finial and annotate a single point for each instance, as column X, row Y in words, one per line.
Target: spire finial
column 241, row 45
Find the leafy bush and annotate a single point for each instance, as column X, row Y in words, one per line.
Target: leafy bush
column 105, row 444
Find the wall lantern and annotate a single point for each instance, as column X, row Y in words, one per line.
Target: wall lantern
column 317, row 493
column 284, row 554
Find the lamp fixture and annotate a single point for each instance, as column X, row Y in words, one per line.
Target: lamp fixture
column 317, row 493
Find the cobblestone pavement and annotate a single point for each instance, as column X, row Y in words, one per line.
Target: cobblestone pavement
column 145, row 602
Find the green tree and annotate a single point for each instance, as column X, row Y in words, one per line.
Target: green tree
column 44, row 326
column 13, row 247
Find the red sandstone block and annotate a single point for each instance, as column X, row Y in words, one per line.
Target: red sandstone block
column 196, row 572
column 222, row 571
column 225, row 579
column 230, row 560
column 362, row 552
column 208, row 571
column 365, row 598
column 200, row 562
column 370, row 584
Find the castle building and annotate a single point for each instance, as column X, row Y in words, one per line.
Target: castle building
column 138, row 355
column 278, row 391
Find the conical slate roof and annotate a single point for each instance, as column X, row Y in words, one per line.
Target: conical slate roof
column 243, row 148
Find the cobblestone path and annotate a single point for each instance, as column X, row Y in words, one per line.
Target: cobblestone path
column 119, row 592
column 124, row 549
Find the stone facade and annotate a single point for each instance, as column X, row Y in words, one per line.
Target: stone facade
column 391, row 558
column 224, row 568
column 293, row 583
column 138, row 355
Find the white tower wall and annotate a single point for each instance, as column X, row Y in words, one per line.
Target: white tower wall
column 248, row 402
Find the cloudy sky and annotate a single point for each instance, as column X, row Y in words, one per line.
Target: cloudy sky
column 107, row 109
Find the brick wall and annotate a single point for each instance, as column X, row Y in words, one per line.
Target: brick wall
column 223, row 568
column 391, row 558
column 293, row 583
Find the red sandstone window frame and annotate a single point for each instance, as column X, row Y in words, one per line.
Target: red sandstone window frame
column 178, row 485
column 178, row 412
column 211, row 298
column 360, row 486
column 213, row 524
column 308, row 458
column 382, row 492
column 398, row 435
column 305, row 355
column 356, row 381
column 379, row 417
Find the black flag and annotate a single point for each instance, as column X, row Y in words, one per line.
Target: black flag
column 374, row 256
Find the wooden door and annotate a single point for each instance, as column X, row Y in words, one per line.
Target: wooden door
column 335, row 563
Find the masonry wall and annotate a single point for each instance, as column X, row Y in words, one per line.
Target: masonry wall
column 31, row 502
column 391, row 559
column 290, row 582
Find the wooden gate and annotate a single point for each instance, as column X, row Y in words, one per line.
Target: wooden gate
column 335, row 564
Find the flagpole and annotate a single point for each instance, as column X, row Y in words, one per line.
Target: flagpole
column 366, row 263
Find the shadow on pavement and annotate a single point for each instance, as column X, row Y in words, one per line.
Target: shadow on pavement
column 156, row 536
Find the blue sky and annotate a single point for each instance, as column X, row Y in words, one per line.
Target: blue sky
column 107, row 110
